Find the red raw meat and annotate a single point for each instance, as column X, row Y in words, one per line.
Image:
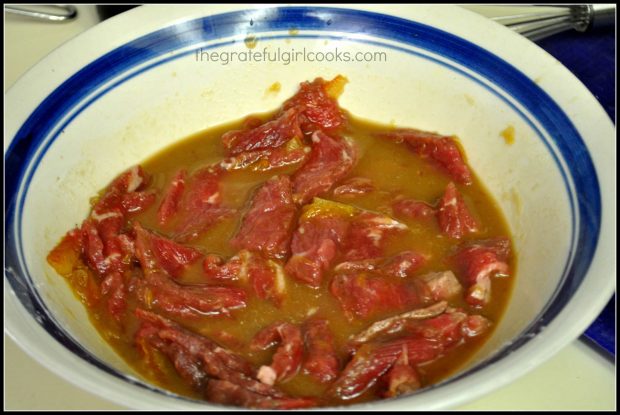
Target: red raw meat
column 402, row 378
column 368, row 234
column 361, row 295
column 373, row 360
column 268, row 159
column 455, row 219
column 358, row 266
column 448, row 326
column 403, row 265
column 331, row 159
column 129, row 181
column 353, row 187
column 92, row 247
column 321, row 361
column 287, row 359
column 188, row 301
column 105, row 249
column 396, row 323
column 314, row 247
column 170, row 203
column 227, row 339
column 475, row 325
column 117, row 255
column 251, row 121
column 118, row 196
column 445, row 328
column 109, row 254
column 186, row 365
column 212, row 354
column 194, row 225
column 418, row 350
column 147, row 342
column 272, row 134
column 442, row 150
column 266, row 227
column 109, row 224
column 478, row 262
column 413, row 209
column 319, row 108
column 228, row 393
column 197, row 359
column 137, row 201
column 173, row 257
column 203, row 190
column 265, row 276
column 441, row 285
column 157, row 253
column 215, row 268
column 283, row 156
column 113, row 286
column 200, row 205
column 267, row 279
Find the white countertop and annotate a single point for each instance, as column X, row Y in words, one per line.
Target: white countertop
column 577, row 378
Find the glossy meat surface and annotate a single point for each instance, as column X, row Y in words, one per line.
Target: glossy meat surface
column 297, row 259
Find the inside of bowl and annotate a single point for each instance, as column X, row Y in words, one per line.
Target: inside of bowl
column 147, row 112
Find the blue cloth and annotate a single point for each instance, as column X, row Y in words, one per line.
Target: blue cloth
column 590, row 57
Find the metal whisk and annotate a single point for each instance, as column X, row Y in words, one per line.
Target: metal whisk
column 65, row 12
column 540, row 23
column 537, row 22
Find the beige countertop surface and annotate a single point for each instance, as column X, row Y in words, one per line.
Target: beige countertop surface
column 576, row 378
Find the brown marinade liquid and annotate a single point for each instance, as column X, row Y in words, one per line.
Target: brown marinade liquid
column 393, row 170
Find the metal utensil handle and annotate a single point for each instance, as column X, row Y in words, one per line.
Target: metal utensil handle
column 554, row 19
column 602, row 15
column 69, row 13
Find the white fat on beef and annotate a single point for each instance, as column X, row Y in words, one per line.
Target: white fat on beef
column 267, row 375
column 134, row 179
column 443, row 285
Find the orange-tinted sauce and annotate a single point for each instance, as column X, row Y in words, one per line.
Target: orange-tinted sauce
column 393, row 170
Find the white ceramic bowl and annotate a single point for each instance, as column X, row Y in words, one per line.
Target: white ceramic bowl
column 132, row 85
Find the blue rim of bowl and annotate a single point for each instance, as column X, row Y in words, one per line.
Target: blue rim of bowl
column 45, row 118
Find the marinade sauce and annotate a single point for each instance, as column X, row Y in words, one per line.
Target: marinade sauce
column 151, row 272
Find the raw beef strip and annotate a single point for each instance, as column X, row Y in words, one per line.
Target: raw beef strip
column 354, row 187
column 478, row 262
column 292, row 153
column 453, row 215
column 413, row 209
column 266, row 276
column 318, row 105
column 314, row 247
column 361, row 295
column 157, row 253
column 200, row 207
column 229, row 393
column 188, row 301
column 331, row 160
column 287, row 359
column 442, row 150
column 222, row 375
column 170, row 203
column 267, row 225
column 368, row 235
column 321, row 360
column 271, row 134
